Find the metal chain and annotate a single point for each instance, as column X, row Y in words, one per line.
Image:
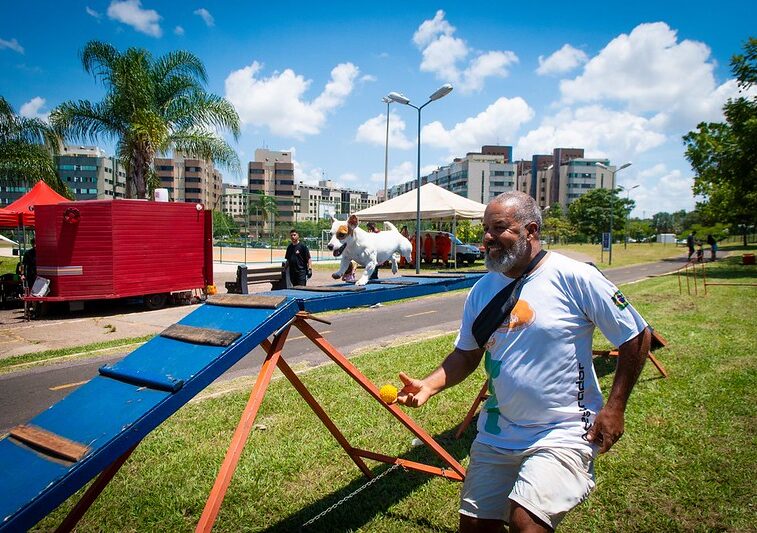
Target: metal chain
column 357, row 491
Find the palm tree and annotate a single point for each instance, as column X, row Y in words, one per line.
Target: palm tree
column 151, row 106
column 266, row 206
column 27, row 146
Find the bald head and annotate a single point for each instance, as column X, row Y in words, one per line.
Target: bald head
column 524, row 207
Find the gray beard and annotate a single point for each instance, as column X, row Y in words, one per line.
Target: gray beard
column 508, row 259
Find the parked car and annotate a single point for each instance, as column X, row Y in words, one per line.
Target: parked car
column 478, row 246
column 466, row 253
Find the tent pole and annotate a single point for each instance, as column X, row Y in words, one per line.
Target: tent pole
column 454, row 240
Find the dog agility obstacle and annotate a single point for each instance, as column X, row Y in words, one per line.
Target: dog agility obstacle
column 94, row 430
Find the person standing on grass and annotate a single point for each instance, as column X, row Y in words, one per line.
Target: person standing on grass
column 690, row 242
column 299, row 264
column 713, row 246
column 544, row 422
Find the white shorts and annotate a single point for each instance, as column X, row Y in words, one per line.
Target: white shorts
column 548, row 482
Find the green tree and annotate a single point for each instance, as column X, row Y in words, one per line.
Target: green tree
column 151, row 106
column 555, row 226
column 468, row 232
column 662, row 222
column 266, row 206
column 224, row 225
column 724, row 155
column 639, row 229
column 590, row 214
column 27, row 146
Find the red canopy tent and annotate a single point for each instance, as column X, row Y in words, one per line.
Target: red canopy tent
column 21, row 212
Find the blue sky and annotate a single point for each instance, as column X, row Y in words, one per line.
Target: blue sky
column 622, row 82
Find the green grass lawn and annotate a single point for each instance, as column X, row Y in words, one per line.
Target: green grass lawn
column 686, row 462
column 635, row 253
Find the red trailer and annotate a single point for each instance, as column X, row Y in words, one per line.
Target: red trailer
column 103, row 249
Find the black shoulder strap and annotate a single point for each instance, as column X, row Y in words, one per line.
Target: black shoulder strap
column 501, row 305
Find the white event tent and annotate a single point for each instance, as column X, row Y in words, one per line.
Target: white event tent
column 435, row 203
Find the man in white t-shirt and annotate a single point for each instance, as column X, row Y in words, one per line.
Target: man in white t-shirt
column 543, row 423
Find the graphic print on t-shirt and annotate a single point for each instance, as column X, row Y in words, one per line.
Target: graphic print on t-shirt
column 491, row 406
column 521, row 316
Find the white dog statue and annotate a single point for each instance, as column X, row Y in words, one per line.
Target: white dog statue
column 369, row 249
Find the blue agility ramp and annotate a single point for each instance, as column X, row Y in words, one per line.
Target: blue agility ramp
column 94, row 429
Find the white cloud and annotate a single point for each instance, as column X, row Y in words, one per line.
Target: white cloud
column 373, row 131
column 429, row 30
column 368, row 78
column 92, row 13
column 501, row 120
column 565, row 59
column 13, row 44
column 277, row 101
column 666, row 191
column 130, row 12
column 31, row 109
column 649, row 71
column 178, row 30
column 205, row 15
column 654, row 171
column 601, row 132
column 396, row 174
column 443, row 53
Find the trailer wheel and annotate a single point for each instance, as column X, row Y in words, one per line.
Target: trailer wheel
column 154, row 302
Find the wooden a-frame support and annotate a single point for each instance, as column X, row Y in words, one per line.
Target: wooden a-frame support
column 273, row 359
column 657, row 342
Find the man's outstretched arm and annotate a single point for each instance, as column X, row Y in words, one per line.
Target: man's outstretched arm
column 457, row 366
column 609, row 423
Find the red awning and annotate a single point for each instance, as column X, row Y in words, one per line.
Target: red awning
column 21, row 212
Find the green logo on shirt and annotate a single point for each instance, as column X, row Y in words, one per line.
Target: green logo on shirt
column 619, row 300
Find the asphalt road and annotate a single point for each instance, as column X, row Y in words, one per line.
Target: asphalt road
column 26, row 393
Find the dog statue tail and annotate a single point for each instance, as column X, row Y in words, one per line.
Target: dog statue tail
column 405, row 247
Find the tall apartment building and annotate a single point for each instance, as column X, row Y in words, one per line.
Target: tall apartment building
column 479, row 176
column 539, row 179
column 314, row 202
column 189, row 179
column 234, row 201
column 551, row 179
column 90, row 173
column 272, row 174
column 565, row 176
column 87, row 170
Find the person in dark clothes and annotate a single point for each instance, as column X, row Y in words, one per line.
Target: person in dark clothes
column 298, row 260
column 29, row 261
column 690, row 243
column 713, row 247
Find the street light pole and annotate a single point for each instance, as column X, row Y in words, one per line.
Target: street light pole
column 441, row 92
column 628, row 199
column 612, row 202
column 387, row 101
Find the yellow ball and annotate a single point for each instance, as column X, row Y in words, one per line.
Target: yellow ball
column 388, row 393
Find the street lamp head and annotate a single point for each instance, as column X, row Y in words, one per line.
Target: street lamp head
column 601, row 165
column 386, row 99
column 441, row 92
column 626, row 165
column 399, row 98
column 632, row 188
